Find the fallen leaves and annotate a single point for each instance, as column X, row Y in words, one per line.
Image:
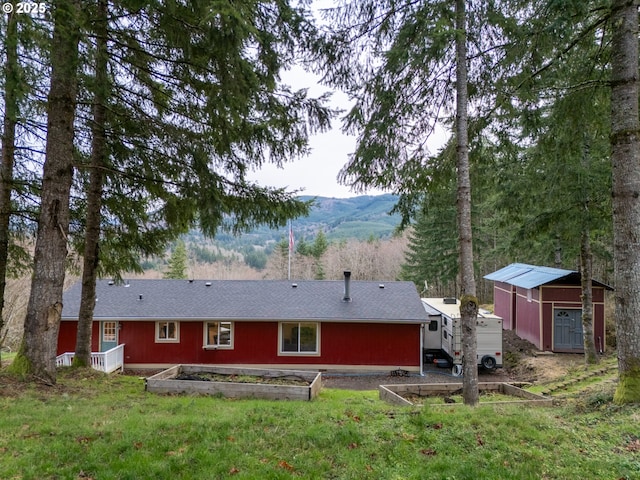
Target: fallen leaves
column 352, row 416
column 180, row 451
column 633, row 445
column 283, row 464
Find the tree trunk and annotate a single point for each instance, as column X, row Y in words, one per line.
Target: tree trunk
column 586, row 275
column 469, row 302
column 625, row 159
column 91, row 259
column 38, row 350
column 8, row 152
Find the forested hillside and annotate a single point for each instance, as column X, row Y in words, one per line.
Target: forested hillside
column 361, row 217
column 339, row 233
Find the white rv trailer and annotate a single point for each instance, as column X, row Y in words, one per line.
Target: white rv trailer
column 443, row 335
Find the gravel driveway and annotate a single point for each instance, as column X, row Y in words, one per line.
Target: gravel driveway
column 432, row 375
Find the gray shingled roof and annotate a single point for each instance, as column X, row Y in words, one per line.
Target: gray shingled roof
column 397, row 302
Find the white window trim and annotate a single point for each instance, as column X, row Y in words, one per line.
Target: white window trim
column 299, row 354
column 206, row 346
column 167, row 340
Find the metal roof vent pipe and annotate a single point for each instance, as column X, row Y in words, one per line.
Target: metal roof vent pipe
column 347, row 286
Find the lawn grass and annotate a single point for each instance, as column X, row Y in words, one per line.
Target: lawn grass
column 107, row 427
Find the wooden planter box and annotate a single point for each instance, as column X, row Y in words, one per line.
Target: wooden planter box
column 166, row 382
column 395, row 394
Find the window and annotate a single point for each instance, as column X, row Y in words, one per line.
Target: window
column 167, row 332
column 109, row 332
column 433, row 326
column 218, row 335
column 299, row 338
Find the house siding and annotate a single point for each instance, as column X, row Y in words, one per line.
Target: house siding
column 256, row 343
column 68, row 333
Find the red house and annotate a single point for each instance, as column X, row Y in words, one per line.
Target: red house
column 324, row 325
column 543, row 305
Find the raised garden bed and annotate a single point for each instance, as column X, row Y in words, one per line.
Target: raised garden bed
column 439, row 394
column 235, row 382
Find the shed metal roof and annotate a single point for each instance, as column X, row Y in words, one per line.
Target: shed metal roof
column 395, row 302
column 532, row 276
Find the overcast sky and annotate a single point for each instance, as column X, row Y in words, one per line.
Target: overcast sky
column 316, row 173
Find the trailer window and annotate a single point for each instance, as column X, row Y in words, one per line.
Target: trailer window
column 445, row 321
column 444, row 334
column 433, row 326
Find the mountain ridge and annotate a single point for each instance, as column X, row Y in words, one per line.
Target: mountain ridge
column 360, row 217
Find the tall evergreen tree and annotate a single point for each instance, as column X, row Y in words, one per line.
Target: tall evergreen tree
column 9, row 126
column 407, row 91
column 38, row 350
column 469, row 299
column 25, row 56
column 186, row 138
column 563, row 98
column 177, row 265
column 318, row 249
column 625, row 158
column 98, row 163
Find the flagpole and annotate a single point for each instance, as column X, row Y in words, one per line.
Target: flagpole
column 290, row 248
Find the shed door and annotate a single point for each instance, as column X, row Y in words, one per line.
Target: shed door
column 108, row 336
column 568, row 330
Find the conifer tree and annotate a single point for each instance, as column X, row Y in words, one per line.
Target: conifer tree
column 187, row 116
column 625, row 158
column 419, row 78
column 9, row 125
column 177, row 265
column 38, row 349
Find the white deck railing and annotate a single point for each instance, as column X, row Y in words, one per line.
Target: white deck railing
column 108, row 361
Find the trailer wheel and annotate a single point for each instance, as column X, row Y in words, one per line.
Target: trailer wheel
column 456, row 371
column 488, row 362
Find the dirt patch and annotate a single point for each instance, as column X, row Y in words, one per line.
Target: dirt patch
column 526, row 363
column 258, row 379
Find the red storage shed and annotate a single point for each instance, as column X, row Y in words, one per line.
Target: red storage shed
column 543, row 305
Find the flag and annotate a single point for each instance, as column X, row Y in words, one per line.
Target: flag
column 291, row 241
